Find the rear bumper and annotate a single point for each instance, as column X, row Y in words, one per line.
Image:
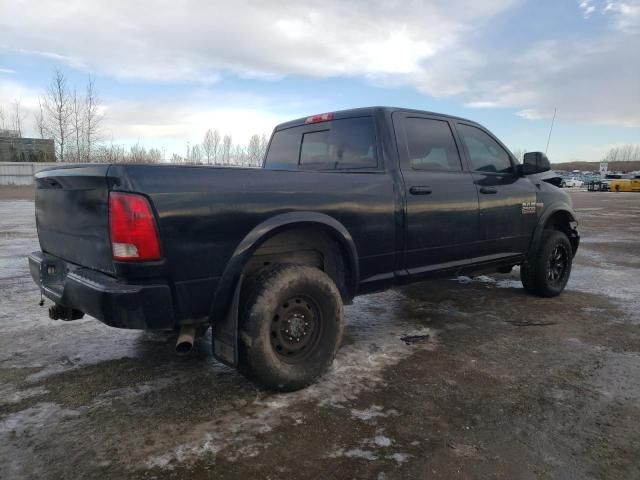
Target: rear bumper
column 101, row 296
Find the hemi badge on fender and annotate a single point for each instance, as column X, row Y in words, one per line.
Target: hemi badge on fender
column 528, row 207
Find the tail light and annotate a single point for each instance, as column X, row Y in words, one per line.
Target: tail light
column 134, row 236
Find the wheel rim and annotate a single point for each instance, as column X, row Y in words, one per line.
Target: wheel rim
column 558, row 264
column 295, row 328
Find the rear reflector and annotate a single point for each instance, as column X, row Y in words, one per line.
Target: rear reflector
column 323, row 117
column 134, row 236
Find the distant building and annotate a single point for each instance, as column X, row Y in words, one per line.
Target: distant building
column 9, row 133
column 16, row 149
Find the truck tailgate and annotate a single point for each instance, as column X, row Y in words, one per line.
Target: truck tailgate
column 72, row 215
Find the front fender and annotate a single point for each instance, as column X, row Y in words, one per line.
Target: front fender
column 548, row 212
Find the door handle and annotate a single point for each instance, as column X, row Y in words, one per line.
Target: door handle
column 488, row 190
column 420, row 190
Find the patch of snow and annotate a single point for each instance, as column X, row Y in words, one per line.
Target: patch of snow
column 353, row 453
column 10, row 395
column 372, row 412
column 399, row 457
column 509, row 283
column 33, row 418
column 382, row 441
column 375, row 336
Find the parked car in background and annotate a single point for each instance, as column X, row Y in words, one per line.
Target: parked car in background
column 571, row 182
column 624, row 185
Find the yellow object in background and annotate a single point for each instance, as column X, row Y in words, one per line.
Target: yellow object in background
column 625, row 185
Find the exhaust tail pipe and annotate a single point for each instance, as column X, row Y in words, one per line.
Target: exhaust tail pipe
column 184, row 344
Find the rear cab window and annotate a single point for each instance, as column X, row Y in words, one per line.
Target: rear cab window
column 340, row 144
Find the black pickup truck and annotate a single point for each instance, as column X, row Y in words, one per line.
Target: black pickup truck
column 346, row 203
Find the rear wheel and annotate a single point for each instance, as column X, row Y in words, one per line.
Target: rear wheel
column 546, row 274
column 290, row 326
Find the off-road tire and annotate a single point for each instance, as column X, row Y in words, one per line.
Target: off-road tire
column 275, row 352
column 541, row 274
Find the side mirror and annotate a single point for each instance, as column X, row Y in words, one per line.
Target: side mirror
column 534, row 162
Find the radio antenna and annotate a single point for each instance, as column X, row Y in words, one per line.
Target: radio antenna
column 551, row 129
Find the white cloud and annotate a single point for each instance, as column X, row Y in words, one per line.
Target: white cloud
column 194, row 41
column 627, row 14
column 7, row 70
column 532, row 114
column 587, row 8
column 442, row 49
column 481, row 104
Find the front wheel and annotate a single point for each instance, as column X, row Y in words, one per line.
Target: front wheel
column 547, row 272
column 290, row 326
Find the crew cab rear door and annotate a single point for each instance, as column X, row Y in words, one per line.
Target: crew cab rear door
column 507, row 200
column 441, row 214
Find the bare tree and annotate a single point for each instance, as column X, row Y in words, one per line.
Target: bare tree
column 253, row 150
column 77, row 125
column 624, row 153
column 57, row 106
column 264, row 143
column 39, row 116
column 627, row 152
column 2, row 119
column 138, row 154
column 17, row 118
column 226, row 149
column 109, row 154
column 196, row 155
column 211, row 145
column 519, row 154
column 612, row 155
column 92, row 119
column 237, row 155
column 155, row 155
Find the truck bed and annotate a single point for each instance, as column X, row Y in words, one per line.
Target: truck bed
column 203, row 214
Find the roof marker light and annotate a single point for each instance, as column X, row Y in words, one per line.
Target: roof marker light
column 323, row 117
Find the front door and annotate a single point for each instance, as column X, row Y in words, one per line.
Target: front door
column 507, row 200
column 441, row 215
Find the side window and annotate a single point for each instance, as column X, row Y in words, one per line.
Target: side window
column 485, row 154
column 430, row 145
column 347, row 143
column 283, row 149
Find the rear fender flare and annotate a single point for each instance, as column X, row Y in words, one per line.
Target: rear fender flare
column 224, row 311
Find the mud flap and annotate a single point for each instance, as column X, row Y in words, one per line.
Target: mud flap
column 224, row 332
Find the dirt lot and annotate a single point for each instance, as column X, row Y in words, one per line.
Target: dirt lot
column 504, row 386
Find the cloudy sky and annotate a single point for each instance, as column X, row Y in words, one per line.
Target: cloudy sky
column 168, row 70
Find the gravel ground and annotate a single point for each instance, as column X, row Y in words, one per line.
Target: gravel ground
column 493, row 383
